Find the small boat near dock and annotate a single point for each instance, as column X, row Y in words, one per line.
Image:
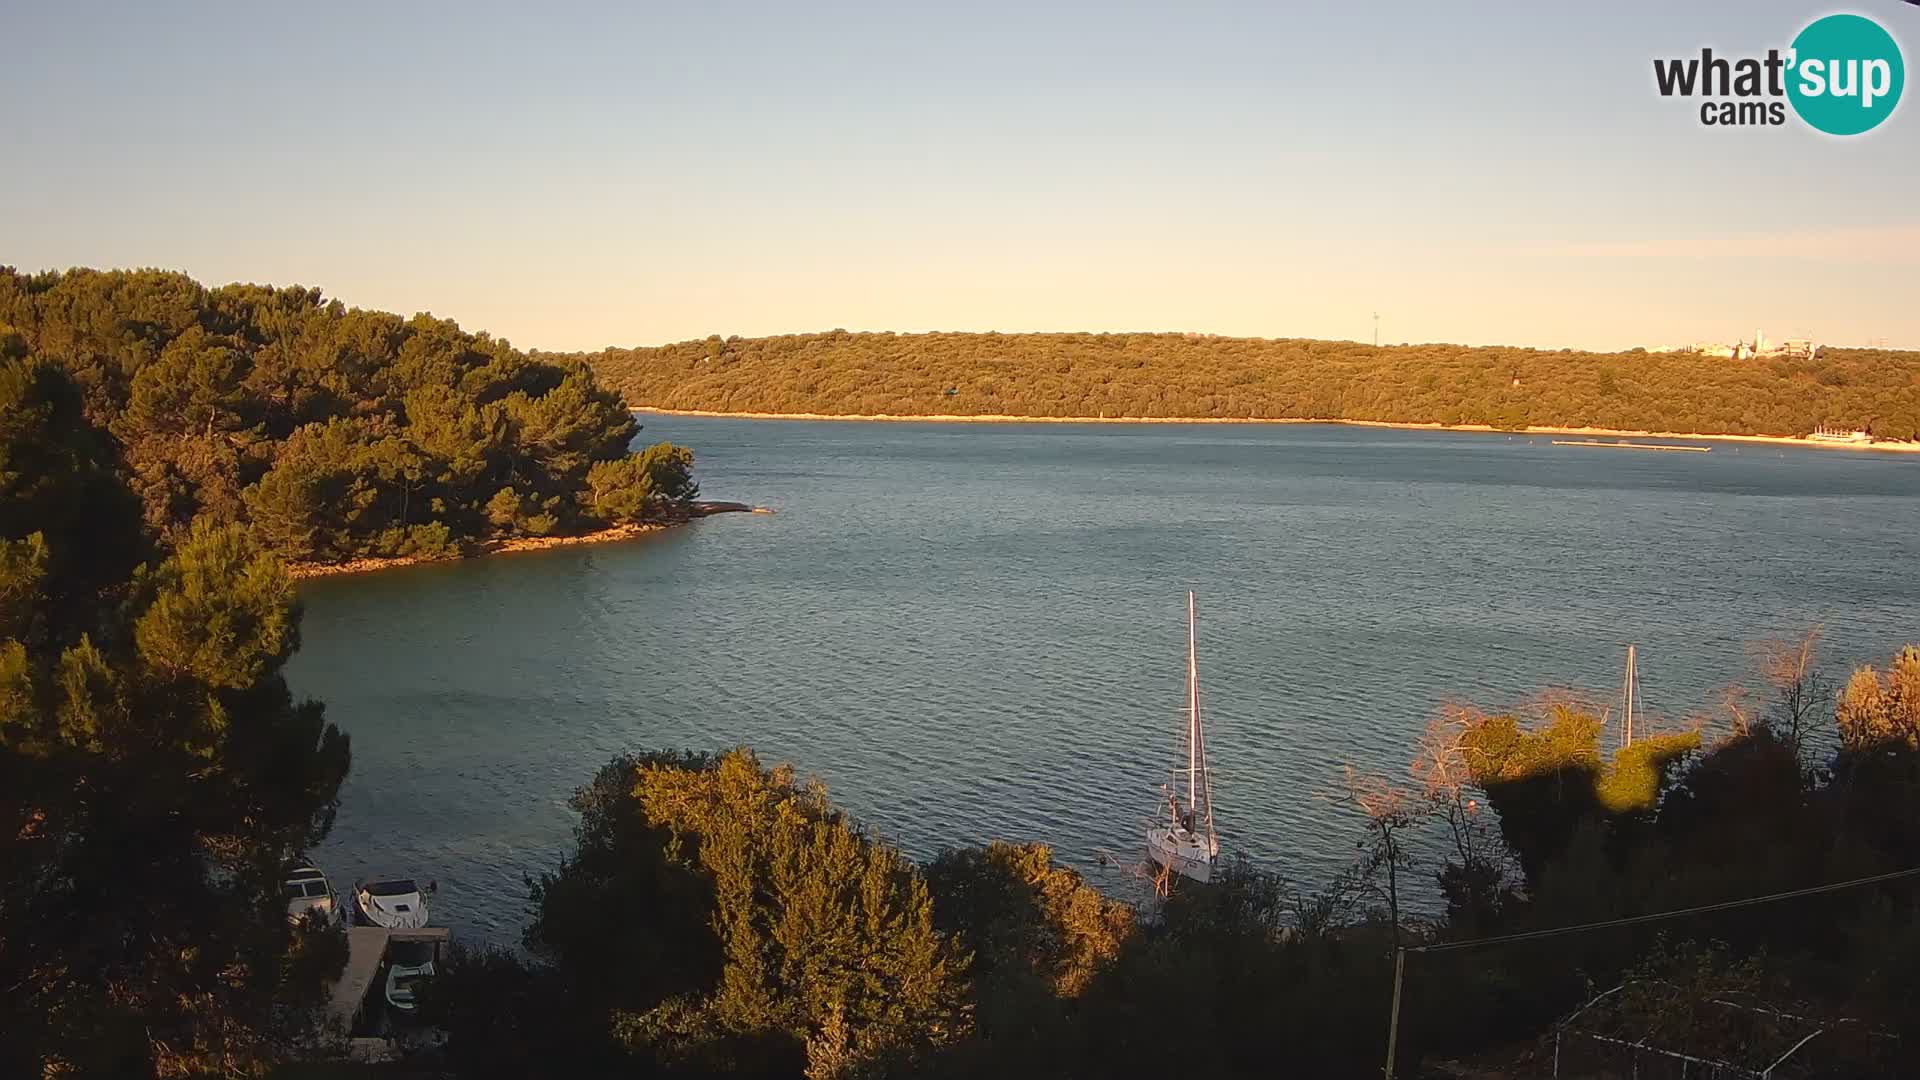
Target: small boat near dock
column 308, row 892
column 395, row 903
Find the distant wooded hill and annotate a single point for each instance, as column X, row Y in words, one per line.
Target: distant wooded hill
column 1181, row 375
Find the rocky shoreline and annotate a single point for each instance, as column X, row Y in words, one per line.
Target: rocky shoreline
column 613, row 534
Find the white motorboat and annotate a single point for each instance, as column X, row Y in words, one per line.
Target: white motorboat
column 308, row 892
column 1187, row 843
column 409, row 963
column 397, row 903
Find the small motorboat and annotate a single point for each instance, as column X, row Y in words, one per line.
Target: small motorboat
column 409, row 963
column 397, row 903
column 308, row 892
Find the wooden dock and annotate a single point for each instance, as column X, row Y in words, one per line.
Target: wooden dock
column 1632, row 445
column 359, row 983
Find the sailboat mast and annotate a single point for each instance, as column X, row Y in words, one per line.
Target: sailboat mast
column 1193, row 714
column 1626, row 702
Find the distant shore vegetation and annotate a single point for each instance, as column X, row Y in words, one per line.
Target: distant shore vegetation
column 335, row 433
column 1209, row 377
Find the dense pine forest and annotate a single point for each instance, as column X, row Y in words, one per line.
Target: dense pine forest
column 156, row 772
column 332, row 432
column 1186, row 375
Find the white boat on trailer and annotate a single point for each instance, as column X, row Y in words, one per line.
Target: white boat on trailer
column 1187, row 844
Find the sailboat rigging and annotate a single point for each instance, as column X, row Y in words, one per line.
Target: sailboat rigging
column 1629, row 697
column 1188, row 844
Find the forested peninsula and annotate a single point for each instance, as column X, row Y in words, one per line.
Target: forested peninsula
column 337, row 436
column 1192, row 376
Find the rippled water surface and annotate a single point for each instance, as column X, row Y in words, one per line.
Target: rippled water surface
column 976, row 631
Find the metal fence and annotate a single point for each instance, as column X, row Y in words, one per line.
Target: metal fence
column 1583, row 1055
column 1801, row 1048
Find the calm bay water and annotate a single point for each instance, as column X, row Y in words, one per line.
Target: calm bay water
column 977, row 631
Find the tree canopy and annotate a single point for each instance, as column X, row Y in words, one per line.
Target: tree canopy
column 1205, row 376
column 721, row 918
column 334, row 432
column 156, row 774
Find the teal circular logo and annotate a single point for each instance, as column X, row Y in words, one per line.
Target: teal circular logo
column 1846, row 74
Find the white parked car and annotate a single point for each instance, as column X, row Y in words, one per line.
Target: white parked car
column 409, row 963
column 308, row 891
column 395, row 903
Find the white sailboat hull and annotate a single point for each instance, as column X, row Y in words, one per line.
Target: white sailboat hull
column 1182, row 852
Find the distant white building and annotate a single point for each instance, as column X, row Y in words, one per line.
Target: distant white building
column 1796, row 348
column 1848, row 436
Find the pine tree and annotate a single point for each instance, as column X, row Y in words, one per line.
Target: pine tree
column 156, row 775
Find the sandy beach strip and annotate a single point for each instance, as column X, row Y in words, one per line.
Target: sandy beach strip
column 999, row 418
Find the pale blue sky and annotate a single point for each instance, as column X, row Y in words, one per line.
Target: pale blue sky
column 578, row 176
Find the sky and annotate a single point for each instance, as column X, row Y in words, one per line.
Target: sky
column 582, row 176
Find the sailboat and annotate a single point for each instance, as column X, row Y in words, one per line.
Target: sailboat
column 1629, row 697
column 1186, row 844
